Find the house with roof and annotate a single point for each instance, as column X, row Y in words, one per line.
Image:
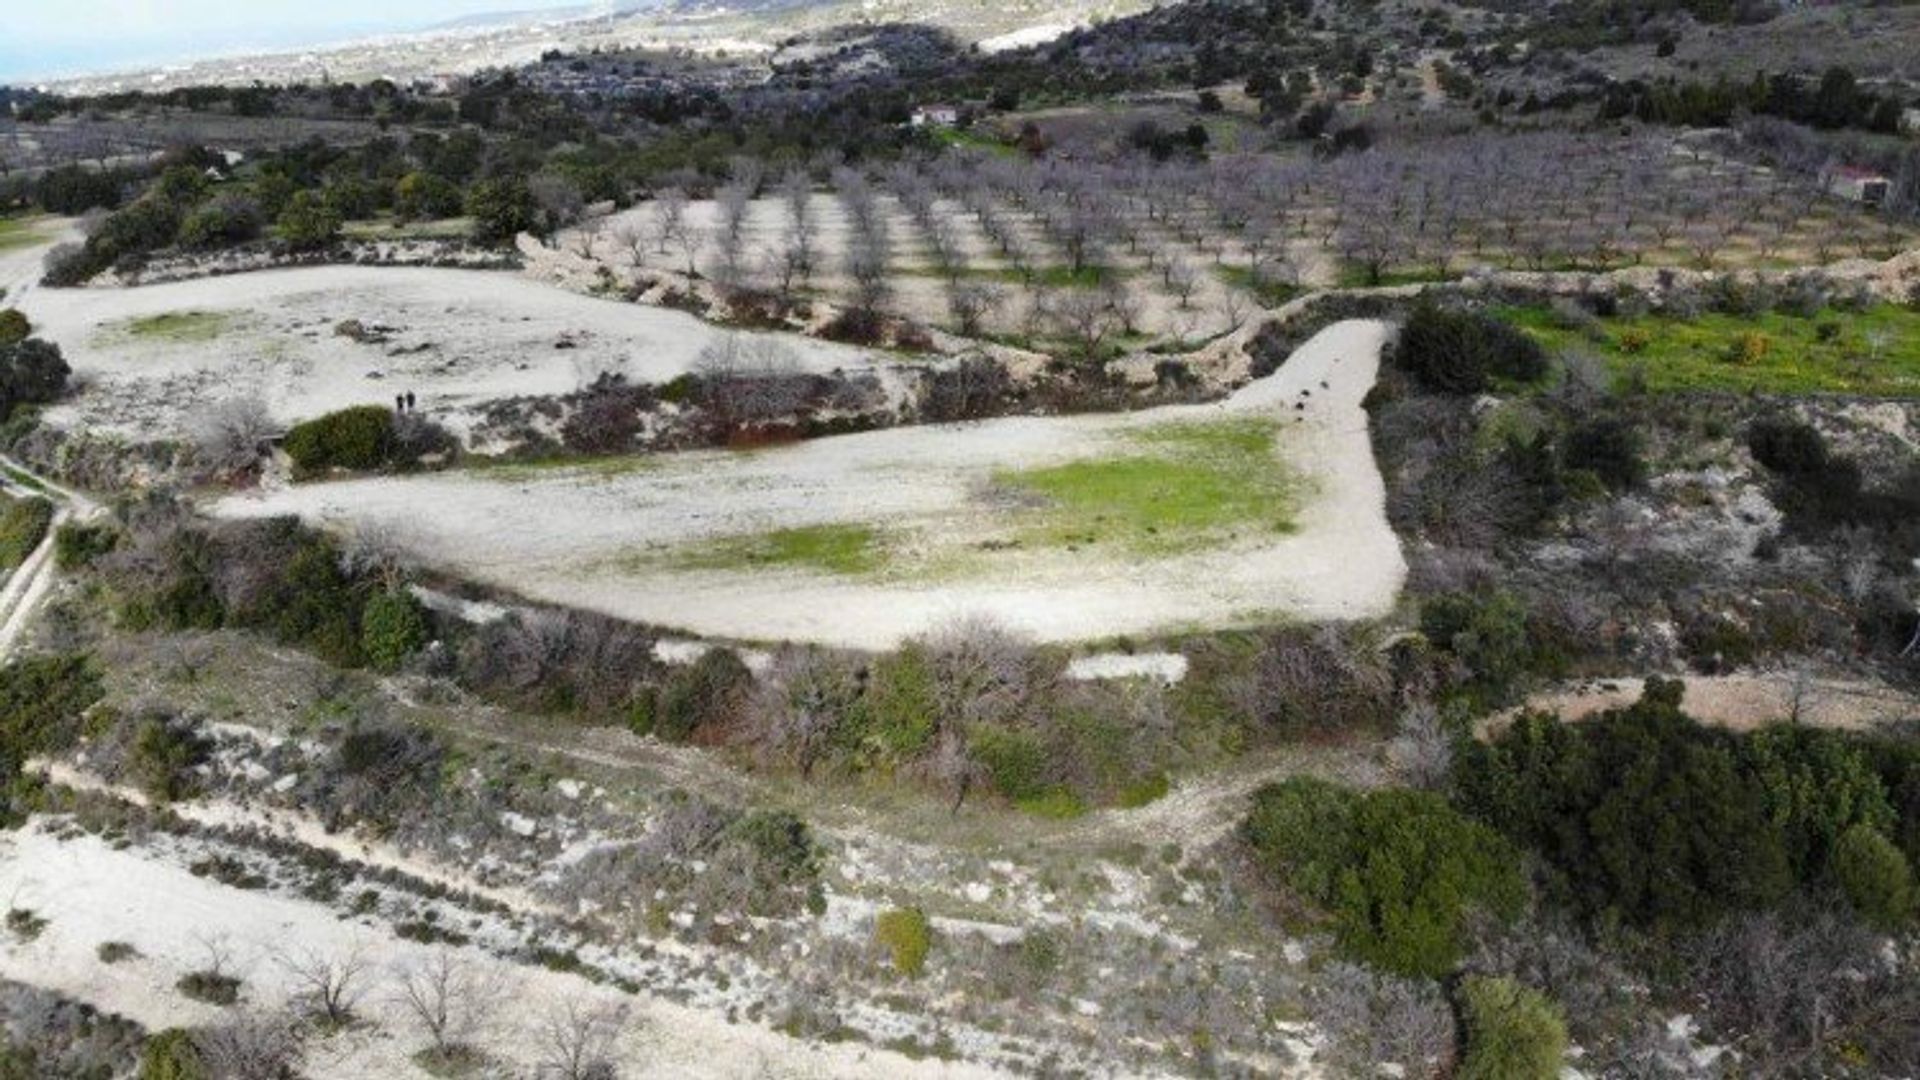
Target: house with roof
column 1856, row 184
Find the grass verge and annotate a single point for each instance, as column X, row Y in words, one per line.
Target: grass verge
column 19, row 232
column 1874, row 351
column 180, row 326
column 833, row 549
column 1184, row 486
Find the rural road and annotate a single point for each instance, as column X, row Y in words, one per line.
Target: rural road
column 30, row 583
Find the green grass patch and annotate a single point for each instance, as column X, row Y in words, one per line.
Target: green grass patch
column 180, row 326
column 508, row 470
column 22, row 231
column 386, row 228
column 1356, row 277
column 1270, row 293
column 834, row 549
column 1182, row 486
column 1058, row 277
column 23, row 525
column 1873, row 352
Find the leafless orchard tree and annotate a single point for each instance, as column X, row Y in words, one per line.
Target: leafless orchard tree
column 251, row 1046
column 669, row 219
column 747, row 379
column 330, row 985
column 634, row 240
column 970, row 301
column 581, row 1041
column 587, row 236
column 1422, row 751
column 1373, row 1019
column 230, row 437
column 451, row 1000
column 802, row 701
column 1084, row 316
column 736, row 204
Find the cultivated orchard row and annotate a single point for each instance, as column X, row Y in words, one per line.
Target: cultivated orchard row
column 1083, row 254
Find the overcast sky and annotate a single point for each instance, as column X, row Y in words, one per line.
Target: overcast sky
column 55, row 37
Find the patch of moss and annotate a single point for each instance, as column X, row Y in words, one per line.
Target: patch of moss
column 180, row 326
column 1186, row 486
column 834, row 549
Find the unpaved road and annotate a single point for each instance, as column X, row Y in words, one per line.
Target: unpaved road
column 584, row 538
column 30, row 582
column 457, row 339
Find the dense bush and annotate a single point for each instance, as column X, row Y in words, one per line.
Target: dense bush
column 77, row 544
column 1512, row 1032
column 1642, row 815
column 501, row 210
column 1610, row 448
column 1488, row 635
column 1875, row 876
column 32, row 372
column 23, row 524
column 14, row 327
column 907, row 936
column 41, row 700
column 1464, row 352
column 1818, row 490
column 704, row 695
column 1399, row 872
column 393, row 627
column 307, row 223
column 358, row 438
column 171, row 1055
column 163, row 756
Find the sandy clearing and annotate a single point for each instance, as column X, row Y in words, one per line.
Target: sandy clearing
column 460, row 339
column 571, row 537
column 92, row 893
column 1744, row 701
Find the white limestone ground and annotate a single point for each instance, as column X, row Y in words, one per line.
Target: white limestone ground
column 459, row 339
column 92, row 892
column 588, row 539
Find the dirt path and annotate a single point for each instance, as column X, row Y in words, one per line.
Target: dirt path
column 1745, row 701
column 34, row 578
column 583, row 538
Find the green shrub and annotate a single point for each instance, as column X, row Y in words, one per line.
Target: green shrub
column 77, row 545
column 908, row 938
column 706, row 693
column 171, row 1055
column 41, row 700
column 1608, row 447
column 163, row 757
column 1875, row 876
column 1399, row 872
column 393, row 627
column 308, row 223
column 359, row 438
column 1487, row 633
column 23, row 524
column 898, row 714
column 211, row 987
column 1512, row 1032
column 1463, row 352
column 1640, row 814
column 14, row 326
column 1014, row 761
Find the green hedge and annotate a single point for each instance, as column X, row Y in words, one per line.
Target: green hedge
column 23, row 524
column 359, row 438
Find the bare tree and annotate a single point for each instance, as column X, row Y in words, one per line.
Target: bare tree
column 1422, row 752
column 581, row 1041
column 252, row 1046
column 452, row 1001
column 1085, row 317
column 633, row 240
column 328, row 984
column 806, row 696
column 669, row 218
column 970, row 301
column 1373, row 1019
column 230, row 437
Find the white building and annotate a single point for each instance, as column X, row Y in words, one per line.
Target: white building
column 936, row 116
